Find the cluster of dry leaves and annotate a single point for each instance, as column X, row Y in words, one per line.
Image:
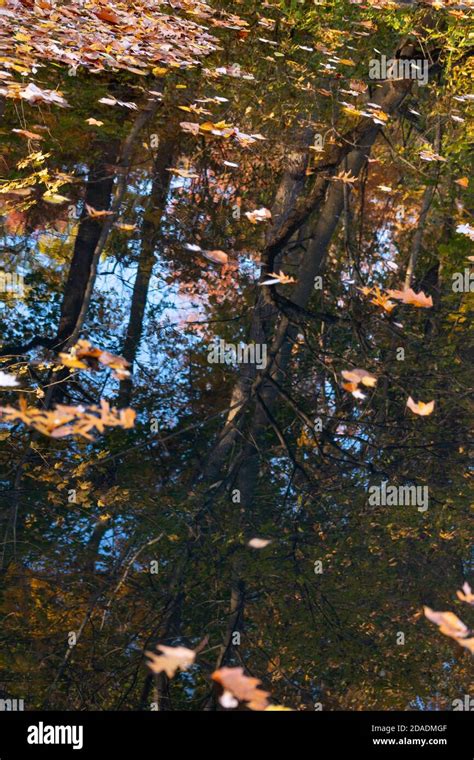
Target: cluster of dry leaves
column 221, row 129
column 237, row 688
column 357, row 377
column 354, row 378
column 406, row 296
column 69, row 420
column 101, row 36
column 85, row 356
column 111, row 35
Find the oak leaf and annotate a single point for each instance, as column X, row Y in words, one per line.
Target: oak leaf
column 170, row 660
column 408, row 296
column 242, row 687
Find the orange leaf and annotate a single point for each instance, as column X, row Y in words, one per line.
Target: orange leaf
column 408, row 296
column 242, row 687
column 105, row 14
column 218, row 257
column 421, row 408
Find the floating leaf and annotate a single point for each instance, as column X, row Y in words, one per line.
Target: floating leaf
column 450, row 625
column 243, row 688
column 170, row 660
column 421, row 408
column 466, row 594
column 408, row 296
column 280, row 279
column 259, row 215
column 258, row 543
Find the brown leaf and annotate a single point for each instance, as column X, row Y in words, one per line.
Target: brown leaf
column 27, row 134
column 105, row 14
column 243, row 687
column 217, row 257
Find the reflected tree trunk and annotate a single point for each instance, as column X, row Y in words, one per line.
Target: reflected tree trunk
column 98, row 195
column 150, row 234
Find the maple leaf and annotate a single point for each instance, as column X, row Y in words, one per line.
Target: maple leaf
column 280, row 279
column 242, row 687
column 170, row 660
column 421, row 408
column 408, row 296
column 379, row 299
column 346, row 177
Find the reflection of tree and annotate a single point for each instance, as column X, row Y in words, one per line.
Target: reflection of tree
column 235, row 455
